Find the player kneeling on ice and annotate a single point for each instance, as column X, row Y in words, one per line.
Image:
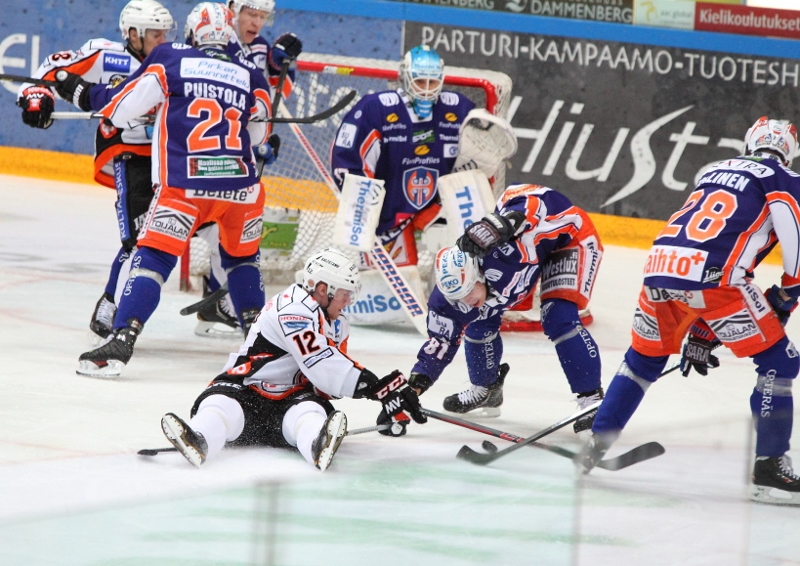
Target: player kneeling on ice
column 698, row 279
column 276, row 390
column 534, row 232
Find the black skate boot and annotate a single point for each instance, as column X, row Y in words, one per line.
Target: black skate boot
column 329, row 439
column 775, row 482
column 103, row 318
column 249, row 316
column 188, row 442
column 109, row 359
column 593, row 451
column 218, row 320
column 585, row 400
column 484, row 401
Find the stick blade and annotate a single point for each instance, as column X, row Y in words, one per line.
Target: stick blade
column 468, row 454
column 638, row 454
column 147, row 452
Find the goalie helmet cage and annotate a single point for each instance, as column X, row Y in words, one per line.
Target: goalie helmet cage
column 299, row 207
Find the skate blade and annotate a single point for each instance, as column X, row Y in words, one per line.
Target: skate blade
column 773, row 495
column 112, row 369
column 217, row 330
column 175, row 433
column 480, row 413
column 336, row 430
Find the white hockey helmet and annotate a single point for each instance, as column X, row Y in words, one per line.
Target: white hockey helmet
column 777, row 137
column 456, row 273
column 209, row 23
column 422, row 78
column 142, row 15
column 267, row 6
column 334, row 268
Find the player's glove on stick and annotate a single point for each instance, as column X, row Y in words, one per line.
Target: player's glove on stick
column 781, row 303
column 697, row 354
column 286, row 46
column 490, row 232
column 74, row 89
column 398, row 399
column 37, row 103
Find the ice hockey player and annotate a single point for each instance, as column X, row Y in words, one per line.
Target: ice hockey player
column 249, row 18
column 216, row 109
column 698, row 279
column 535, row 234
column 122, row 153
column 407, row 138
column 276, row 390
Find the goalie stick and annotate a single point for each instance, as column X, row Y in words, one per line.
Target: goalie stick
column 416, row 311
column 157, row 451
column 634, row 456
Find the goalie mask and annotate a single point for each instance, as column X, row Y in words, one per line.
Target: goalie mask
column 266, row 6
column 209, row 24
column 335, row 269
column 422, row 77
column 143, row 15
column 456, row 273
column 775, row 137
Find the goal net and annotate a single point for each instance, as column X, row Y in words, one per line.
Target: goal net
column 300, row 207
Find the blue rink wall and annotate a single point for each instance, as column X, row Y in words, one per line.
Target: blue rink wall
column 620, row 118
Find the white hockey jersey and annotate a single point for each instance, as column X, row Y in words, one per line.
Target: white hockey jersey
column 291, row 343
column 102, row 61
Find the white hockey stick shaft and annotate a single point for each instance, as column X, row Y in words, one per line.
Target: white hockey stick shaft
column 75, row 115
column 417, row 311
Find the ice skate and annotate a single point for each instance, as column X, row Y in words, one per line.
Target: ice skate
column 775, row 482
column 109, row 359
column 102, row 321
column 592, row 452
column 330, row 437
column 218, row 320
column 585, row 400
column 188, row 442
column 479, row 401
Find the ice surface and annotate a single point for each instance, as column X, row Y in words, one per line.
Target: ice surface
column 73, row 491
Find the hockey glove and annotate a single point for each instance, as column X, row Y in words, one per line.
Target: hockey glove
column 398, row 399
column 782, row 307
column 286, row 46
column 267, row 154
column 490, row 232
column 419, row 382
column 697, row 354
column 74, row 89
column 37, row 103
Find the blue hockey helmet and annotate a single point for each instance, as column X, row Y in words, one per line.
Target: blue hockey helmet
column 422, row 77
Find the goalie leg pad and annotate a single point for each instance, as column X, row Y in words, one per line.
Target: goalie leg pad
column 359, row 212
column 466, row 198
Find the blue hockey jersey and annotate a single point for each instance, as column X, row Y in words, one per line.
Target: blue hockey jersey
column 382, row 137
column 212, row 110
column 511, row 271
column 740, row 209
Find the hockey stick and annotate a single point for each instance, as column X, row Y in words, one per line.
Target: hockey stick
column 21, row 79
column 634, row 456
column 415, row 310
column 157, row 451
column 467, row 453
column 205, row 301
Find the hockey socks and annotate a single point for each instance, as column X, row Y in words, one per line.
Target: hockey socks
column 771, row 401
column 577, row 351
column 116, row 267
column 244, row 284
column 149, row 271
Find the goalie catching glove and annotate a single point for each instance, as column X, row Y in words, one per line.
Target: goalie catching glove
column 398, row 399
column 697, row 350
column 492, row 231
column 485, row 141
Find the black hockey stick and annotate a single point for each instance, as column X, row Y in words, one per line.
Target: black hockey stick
column 468, row 454
column 156, row 451
column 21, row 79
column 205, row 301
column 634, row 456
column 324, row 115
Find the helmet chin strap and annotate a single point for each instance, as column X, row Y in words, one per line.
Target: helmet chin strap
column 138, row 52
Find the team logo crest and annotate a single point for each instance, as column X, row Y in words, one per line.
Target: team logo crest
column 420, row 186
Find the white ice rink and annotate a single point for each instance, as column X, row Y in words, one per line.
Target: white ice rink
column 73, row 490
